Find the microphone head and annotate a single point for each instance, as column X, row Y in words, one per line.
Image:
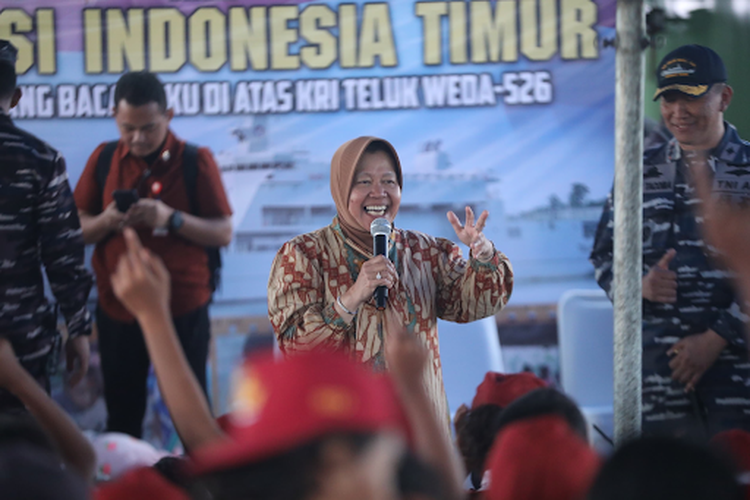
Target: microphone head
column 381, row 225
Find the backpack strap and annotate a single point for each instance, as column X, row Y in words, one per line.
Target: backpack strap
column 190, row 173
column 103, row 163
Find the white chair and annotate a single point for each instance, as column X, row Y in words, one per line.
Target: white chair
column 585, row 338
column 467, row 352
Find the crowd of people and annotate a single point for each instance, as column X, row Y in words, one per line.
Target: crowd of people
column 354, row 406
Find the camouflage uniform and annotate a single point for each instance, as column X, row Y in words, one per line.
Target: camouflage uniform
column 705, row 298
column 39, row 226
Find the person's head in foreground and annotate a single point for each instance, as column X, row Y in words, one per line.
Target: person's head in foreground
column 541, row 402
column 693, row 95
column 27, row 454
column 477, row 427
column 313, row 426
column 656, row 468
column 540, row 458
column 28, row 471
column 734, row 445
column 366, row 183
column 10, row 94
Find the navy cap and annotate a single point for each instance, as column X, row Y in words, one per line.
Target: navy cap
column 690, row 69
column 8, row 52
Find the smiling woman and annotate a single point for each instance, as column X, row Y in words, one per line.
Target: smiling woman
column 376, row 191
column 321, row 284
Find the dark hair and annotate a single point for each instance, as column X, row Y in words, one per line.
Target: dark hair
column 7, row 79
column 22, row 429
column 475, row 437
column 415, row 477
column 292, row 475
column 140, row 88
column 654, row 468
column 378, row 146
column 174, row 470
column 545, row 401
column 29, row 472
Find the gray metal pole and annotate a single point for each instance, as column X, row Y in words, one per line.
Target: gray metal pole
column 628, row 194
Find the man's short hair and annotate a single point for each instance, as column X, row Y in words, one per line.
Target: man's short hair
column 7, row 79
column 139, row 88
column 8, row 57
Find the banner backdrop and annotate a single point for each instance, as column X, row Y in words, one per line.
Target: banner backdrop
column 503, row 105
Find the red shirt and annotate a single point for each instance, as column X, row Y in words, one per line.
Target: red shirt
column 187, row 262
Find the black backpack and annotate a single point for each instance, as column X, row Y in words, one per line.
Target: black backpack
column 190, row 174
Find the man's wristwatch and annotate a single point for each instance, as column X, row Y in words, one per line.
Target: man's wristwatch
column 175, row 222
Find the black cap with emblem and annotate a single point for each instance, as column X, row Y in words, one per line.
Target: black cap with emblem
column 691, row 70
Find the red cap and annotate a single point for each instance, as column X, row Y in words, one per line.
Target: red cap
column 280, row 404
column 540, row 458
column 143, row 483
column 156, row 188
column 501, row 389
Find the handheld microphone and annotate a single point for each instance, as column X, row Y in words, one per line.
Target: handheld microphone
column 380, row 229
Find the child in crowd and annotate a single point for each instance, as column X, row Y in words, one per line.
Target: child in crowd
column 656, row 468
column 544, row 402
column 476, row 427
column 734, row 446
column 540, row 457
column 31, row 472
column 310, row 426
column 74, row 449
column 43, row 455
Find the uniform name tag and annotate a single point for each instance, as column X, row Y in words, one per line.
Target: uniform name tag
column 659, row 178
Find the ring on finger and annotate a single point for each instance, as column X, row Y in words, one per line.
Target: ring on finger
column 378, row 276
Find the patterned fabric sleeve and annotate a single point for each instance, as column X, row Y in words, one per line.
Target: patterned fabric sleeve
column 468, row 291
column 301, row 315
column 62, row 250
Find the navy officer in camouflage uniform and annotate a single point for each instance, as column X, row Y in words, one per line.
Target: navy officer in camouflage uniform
column 695, row 358
column 38, row 227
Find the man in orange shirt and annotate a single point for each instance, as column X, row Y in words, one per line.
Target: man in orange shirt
column 174, row 223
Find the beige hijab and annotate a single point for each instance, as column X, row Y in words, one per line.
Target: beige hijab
column 343, row 167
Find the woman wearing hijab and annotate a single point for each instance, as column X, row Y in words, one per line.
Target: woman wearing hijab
column 321, row 284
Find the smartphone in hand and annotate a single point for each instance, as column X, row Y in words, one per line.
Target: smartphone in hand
column 124, row 198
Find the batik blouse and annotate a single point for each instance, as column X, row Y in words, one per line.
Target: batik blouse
column 313, row 269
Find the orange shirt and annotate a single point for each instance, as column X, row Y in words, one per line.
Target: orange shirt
column 187, row 262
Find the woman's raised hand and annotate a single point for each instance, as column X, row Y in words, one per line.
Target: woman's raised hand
column 471, row 234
